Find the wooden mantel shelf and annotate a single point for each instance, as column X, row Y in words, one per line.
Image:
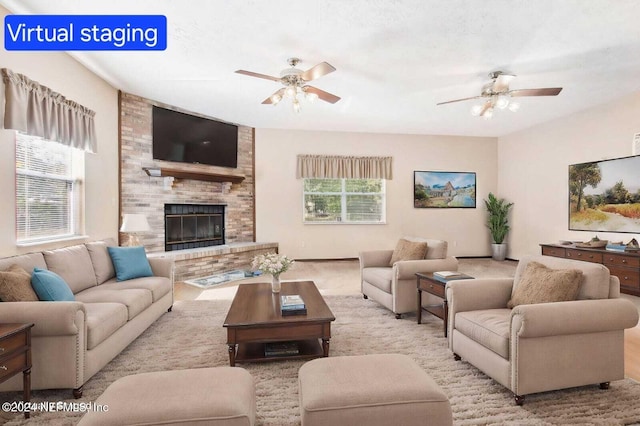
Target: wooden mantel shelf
column 190, row 174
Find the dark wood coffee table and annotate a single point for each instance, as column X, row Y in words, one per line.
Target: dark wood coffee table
column 254, row 319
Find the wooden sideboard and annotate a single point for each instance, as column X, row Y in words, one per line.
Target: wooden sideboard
column 624, row 265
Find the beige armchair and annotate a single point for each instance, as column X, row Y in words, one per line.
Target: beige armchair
column 547, row 346
column 395, row 286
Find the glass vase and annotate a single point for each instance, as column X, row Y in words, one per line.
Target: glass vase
column 275, row 283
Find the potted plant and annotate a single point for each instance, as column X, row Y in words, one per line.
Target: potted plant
column 498, row 224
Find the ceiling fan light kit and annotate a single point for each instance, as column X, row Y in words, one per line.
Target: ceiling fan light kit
column 498, row 95
column 295, row 84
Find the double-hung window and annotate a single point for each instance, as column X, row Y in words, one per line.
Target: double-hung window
column 49, row 179
column 344, row 201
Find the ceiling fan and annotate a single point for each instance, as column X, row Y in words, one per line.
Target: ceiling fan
column 295, row 81
column 498, row 95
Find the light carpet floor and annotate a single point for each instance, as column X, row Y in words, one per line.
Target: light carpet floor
column 192, row 336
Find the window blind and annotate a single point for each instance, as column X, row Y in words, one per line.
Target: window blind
column 45, row 189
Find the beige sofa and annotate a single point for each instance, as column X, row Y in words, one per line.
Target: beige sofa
column 395, row 286
column 71, row 341
column 547, row 346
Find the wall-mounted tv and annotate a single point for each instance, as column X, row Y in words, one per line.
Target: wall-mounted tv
column 605, row 195
column 189, row 139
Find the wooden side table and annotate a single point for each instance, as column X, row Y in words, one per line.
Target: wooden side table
column 15, row 356
column 426, row 282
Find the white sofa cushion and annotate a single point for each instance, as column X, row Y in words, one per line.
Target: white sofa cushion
column 136, row 300
column 74, row 265
column 103, row 319
column 25, row 261
column 158, row 286
column 489, row 327
column 102, row 264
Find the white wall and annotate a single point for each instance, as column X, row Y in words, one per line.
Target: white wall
column 533, row 170
column 279, row 193
column 65, row 75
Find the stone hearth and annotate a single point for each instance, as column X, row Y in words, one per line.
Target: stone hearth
column 201, row 262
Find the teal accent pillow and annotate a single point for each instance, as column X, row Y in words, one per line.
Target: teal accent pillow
column 50, row 287
column 130, row 262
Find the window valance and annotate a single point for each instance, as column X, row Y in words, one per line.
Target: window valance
column 340, row 167
column 39, row 111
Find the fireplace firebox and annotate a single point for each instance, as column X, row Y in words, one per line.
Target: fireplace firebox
column 189, row 226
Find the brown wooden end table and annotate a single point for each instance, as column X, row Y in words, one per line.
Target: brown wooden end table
column 15, row 356
column 428, row 283
column 254, row 319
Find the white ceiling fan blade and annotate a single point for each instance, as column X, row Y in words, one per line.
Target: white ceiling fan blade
column 323, row 68
column 255, row 74
column 325, row 96
column 459, row 100
column 547, row 91
column 485, row 108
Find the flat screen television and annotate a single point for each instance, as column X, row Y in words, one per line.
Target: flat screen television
column 605, row 195
column 186, row 138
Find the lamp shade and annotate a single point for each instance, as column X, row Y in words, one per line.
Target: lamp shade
column 135, row 223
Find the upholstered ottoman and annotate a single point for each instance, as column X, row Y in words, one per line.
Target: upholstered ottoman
column 211, row 396
column 370, row 390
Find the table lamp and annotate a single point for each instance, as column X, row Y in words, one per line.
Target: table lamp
column 134, row 224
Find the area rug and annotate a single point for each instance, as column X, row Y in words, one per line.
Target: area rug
column 192, row 336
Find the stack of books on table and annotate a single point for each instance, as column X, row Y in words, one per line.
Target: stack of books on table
column 292, row 304
column 445, row 276
column 281, row 349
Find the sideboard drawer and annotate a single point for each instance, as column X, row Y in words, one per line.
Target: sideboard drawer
column 628, row 277
column 585, row 256
column 621, row 260
column 554, row 251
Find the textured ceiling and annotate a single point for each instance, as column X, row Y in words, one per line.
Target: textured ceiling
column 395, row 59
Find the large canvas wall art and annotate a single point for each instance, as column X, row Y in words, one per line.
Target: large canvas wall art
column 444, row 189
column 605, row 195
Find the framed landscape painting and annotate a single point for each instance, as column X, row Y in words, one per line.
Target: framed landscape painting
column 444, row 189
column 604, row 195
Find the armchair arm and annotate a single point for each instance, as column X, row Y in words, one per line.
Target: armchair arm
column 478, row 294
column 50, row 318
column 574, row 317
column 375, row 258
column 406, row 269
column 162, row 267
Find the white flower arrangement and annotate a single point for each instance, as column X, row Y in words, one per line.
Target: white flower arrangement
column 272, row 263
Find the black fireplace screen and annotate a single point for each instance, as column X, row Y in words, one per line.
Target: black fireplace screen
column 193, row 225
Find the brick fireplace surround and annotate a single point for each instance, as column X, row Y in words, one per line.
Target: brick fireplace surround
column 140, row 193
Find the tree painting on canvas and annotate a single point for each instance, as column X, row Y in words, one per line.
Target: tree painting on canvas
column 605, row 195
column 444, row 189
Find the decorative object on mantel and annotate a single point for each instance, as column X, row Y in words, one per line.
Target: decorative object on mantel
column 134, row 224
column 272, row 264
column 498, row 224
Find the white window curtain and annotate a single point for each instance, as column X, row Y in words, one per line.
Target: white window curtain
column 340, row 167
column 39, row 111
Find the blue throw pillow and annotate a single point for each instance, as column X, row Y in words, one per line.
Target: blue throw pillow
column 130, row 262
column 50, row 287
